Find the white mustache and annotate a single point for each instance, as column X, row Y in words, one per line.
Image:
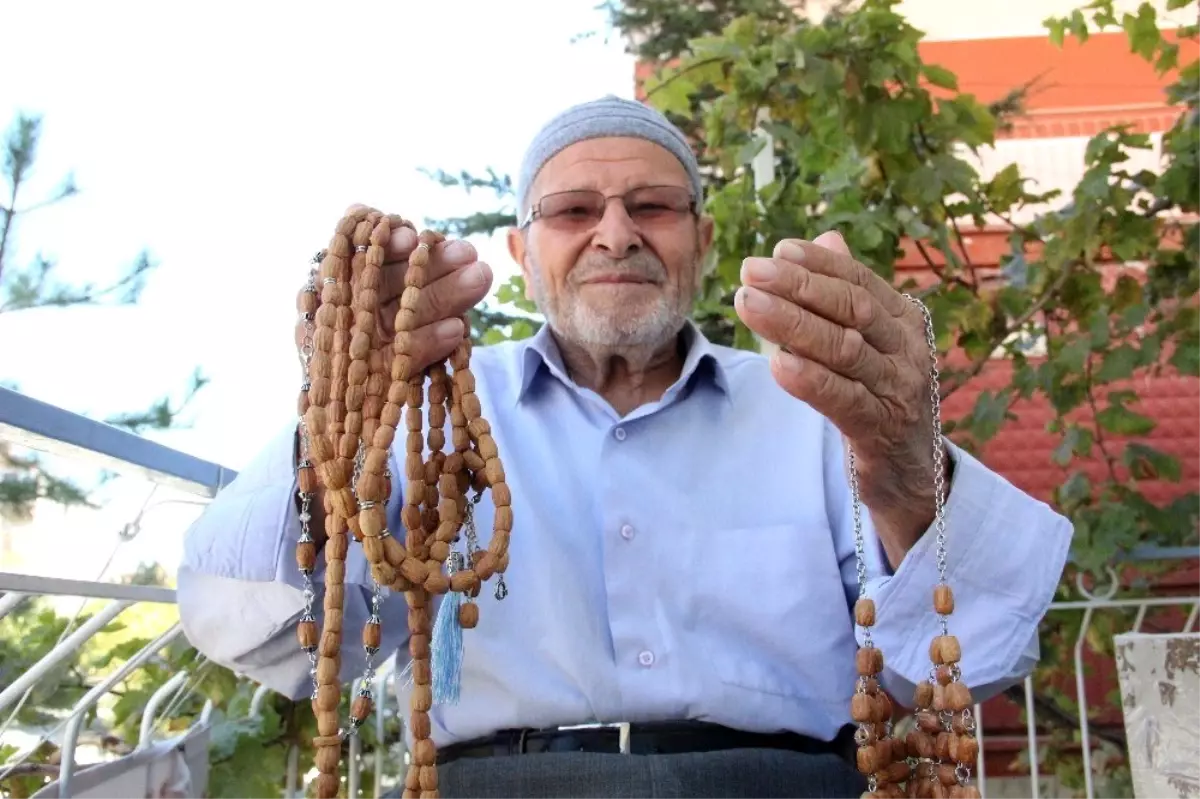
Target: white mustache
column 644, row 266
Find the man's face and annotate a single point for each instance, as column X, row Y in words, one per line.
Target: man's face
column 608, row 272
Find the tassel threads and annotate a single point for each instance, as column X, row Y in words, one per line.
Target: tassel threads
column 446, row 645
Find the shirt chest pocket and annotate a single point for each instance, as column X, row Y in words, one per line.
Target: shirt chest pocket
column 768, row 610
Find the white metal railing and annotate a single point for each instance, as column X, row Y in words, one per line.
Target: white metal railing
column 1092, row 602
column 37, row 425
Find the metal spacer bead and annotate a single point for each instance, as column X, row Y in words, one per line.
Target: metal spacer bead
column 304, row 538
column 305, row 464
column 366, row 504
column 329, row 281
column 360, row 248
column 318, row 257
column 374, row 619
column 306, row 385
column 385, row 533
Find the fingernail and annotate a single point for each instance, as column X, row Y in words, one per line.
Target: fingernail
column 472, row 277
column 760, row 269
column 790, row 362
column 449, row 329
column 457, row 250
column 755, row 300
column 790, row 251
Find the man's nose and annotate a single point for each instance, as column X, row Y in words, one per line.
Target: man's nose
column 616, row 235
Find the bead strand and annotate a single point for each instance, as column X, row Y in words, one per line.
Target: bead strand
column 349, row 415
column 935, row 758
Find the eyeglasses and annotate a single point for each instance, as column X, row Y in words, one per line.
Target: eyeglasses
column 581, row 209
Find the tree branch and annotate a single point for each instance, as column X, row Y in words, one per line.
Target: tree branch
column 30, row 770
column 1109, row 461
column 977, row 365
column 704, row 62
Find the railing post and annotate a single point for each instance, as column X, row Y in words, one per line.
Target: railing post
column 9, row 602
column 61, row 652
column 151, row 709
column 66, row 767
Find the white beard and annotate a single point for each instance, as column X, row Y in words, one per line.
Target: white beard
column 646, row 324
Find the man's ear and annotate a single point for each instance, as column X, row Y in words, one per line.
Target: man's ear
column 518, row 249
column 704, row 229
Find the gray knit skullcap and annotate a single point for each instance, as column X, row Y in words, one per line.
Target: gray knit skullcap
column 608, row 116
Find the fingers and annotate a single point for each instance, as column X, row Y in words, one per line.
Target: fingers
column 454, row 293
column 434, row 342
column 848, row 404
column 831, row 257
column 444, row 258
column 840, row 349
column 843, row 303
column 401, row 244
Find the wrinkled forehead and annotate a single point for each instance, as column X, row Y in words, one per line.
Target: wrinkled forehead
column 609, row 165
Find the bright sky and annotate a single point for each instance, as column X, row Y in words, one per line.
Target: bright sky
column 226, row 139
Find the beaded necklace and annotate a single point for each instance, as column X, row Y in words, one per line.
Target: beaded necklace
column 934, row 759
column 351, row 404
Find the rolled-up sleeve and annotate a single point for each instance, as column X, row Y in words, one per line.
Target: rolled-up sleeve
column 240, row 593
column 1005, row 553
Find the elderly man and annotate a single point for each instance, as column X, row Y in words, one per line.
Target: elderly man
column 683, row 557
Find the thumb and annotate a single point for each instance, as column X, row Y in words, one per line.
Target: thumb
column 832, row 240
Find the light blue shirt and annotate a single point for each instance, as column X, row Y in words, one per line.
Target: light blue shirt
column 691, row 560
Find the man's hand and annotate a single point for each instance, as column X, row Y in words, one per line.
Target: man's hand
column 455, row 282
column 856, row 351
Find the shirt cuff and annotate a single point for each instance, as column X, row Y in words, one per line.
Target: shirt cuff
column 1005, row 553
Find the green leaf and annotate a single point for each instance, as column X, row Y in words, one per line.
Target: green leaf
column 1074, row 489
column 1121, row 421
column 1142, row 30
column 940, row 77
column 751, row 149
column 1077, row 441
column 1117, row 364
column 1005, row 189
column 1146, row 463
column 1058, row 30
column 1186, row 357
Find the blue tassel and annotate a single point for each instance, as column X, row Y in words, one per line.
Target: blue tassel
column 446, row 650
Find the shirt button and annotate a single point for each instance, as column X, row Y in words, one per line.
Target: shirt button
column 619, row 433
column 626, row 532
column 646, row 658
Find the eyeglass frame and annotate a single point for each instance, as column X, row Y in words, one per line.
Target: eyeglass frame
column 532, row 214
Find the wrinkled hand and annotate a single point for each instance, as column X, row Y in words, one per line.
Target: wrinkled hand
column 856, row 351
column 456, row 281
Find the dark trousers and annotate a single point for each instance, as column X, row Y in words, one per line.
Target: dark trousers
column 758, row 773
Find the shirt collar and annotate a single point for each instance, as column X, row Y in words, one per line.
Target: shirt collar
column 540, row 351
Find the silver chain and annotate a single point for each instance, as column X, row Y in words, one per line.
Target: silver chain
column 309, row 591
column 859, row 546
column 306, row 355
column 939, row 483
